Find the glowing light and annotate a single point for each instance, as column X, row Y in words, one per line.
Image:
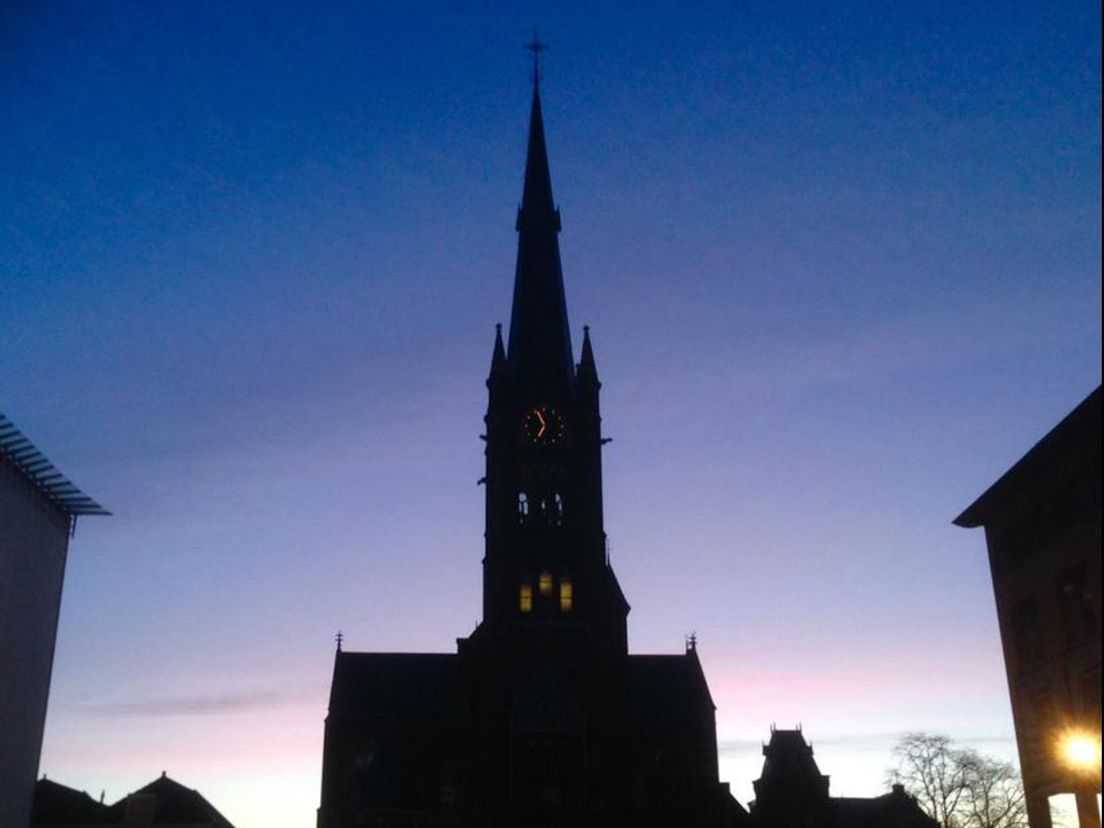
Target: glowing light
column 525, row 598
column 1081, row 750
column 567, row 596
column 545, row 583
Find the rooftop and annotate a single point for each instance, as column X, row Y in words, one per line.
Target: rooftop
column 28, row 460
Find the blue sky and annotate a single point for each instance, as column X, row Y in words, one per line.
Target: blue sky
column 841, row 266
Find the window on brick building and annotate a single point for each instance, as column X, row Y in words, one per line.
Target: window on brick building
column 1027, row 634
column 1075, row 602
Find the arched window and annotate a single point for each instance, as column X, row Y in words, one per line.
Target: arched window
column 525, row 598
column 545, row 583
column 557, row 509
column 523, row 507
column 567, row 595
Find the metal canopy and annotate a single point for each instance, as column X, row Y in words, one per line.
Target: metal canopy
column 41, row 472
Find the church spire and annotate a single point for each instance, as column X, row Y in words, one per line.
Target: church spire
column 536, row 198
column 539, row 344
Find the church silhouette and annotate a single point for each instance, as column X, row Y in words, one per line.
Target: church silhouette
column 542, row 717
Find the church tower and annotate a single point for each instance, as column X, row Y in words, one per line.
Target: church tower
column 545, row 563
column 541, row 717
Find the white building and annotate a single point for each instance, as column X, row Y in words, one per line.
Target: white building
column 38, row 511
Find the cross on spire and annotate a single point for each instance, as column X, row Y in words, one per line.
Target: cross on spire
column 536, row 47
column 339, row 638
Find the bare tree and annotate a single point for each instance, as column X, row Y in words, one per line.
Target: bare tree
column 927, row 768
column 958, row 787
column 994, row 793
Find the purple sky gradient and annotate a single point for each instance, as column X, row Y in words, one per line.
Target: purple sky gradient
column 841, row 268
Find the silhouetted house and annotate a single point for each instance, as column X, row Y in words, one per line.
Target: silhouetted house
column 38, row 510
column 542, row 717
column 791, row 792
column 163, row 801
column 1042, row 524
column 62, row 807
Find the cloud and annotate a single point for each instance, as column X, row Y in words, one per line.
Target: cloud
column 200, row 704
column 862, row 741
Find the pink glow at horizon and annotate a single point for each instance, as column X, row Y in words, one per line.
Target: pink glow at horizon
column 841, row 265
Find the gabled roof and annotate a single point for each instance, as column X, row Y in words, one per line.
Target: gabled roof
column 405, row 685
column 165, row 801
column 56, row 804
column 891, row 810
column 172, row 803
column 667, row 687
column 423, row 685
column 21, row 453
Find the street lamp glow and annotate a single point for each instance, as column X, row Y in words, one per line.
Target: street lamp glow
column 1080, row 750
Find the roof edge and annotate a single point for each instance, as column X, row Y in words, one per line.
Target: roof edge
column 1085, row 416
column 42, row 474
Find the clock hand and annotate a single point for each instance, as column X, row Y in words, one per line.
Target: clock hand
column 543, row 425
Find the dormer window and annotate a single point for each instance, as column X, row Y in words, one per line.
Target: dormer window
column 545, row 583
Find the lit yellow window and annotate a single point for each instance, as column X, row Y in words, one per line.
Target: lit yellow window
column 567, row 595
column 545, row 583
column 525, row 598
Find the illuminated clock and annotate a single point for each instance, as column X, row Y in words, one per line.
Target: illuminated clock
column 544, row 424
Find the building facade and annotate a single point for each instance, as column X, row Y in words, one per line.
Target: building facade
column 542, row 717
column 1042, row 522
column 38, row 510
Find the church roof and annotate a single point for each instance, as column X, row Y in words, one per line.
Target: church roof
column 415, row 685
column 667, row 687
column 423, row 685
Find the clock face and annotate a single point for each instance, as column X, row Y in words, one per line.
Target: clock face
column 544, row 424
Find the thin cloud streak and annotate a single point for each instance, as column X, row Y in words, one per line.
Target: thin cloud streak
column 200, row 704
column 859, row 741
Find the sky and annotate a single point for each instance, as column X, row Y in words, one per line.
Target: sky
column 841, row 264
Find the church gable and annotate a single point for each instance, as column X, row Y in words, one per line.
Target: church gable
column 668, row 688
column 388, row 733
column 393, row 685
